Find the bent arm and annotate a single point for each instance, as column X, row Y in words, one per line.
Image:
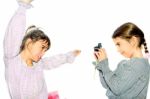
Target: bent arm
column 102, row 80
column 123, row 78
column 15, row 31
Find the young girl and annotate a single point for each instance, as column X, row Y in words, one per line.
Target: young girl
column 23, row 57
column 130, row 79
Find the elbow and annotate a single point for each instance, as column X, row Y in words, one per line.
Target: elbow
column 117, row 90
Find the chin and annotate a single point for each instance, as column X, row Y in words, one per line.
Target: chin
column 127, row 56
column 36, row 60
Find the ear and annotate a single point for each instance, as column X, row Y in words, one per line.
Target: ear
column 134, row 41
column 28, row 42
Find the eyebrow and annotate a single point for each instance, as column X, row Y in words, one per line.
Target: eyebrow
column 45, row 45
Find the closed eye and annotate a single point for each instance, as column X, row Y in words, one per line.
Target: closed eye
column 117, row 44
column 44, row 48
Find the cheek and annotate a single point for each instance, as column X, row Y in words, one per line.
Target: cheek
column 119, row 49
column 129, row 52
column 35, row 52
column 36, row 56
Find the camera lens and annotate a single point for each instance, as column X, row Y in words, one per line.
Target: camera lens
column 96, row 48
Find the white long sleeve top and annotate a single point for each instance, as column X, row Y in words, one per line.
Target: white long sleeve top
column 26, row 82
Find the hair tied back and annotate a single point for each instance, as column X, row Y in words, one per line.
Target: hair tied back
column 32, row 28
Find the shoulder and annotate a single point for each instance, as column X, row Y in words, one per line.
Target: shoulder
column 135, row 63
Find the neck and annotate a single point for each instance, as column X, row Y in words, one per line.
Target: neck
column 137, row 53
column 25, row 55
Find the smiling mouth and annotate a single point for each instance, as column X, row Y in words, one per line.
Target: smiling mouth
column 40, row 57
column 122, row 53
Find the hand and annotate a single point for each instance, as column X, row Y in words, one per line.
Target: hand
column 26, row 1
column 76, row 52
column 100, row 55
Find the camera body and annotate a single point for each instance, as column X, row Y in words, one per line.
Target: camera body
column 96, row 48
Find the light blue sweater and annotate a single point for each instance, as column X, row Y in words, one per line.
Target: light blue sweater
column 129, row 81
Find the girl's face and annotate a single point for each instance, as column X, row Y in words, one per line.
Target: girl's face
column 37, row 50
column 124, row 47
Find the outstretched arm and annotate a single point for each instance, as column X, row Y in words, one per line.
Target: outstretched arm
column 58, row 60
column 16, row 30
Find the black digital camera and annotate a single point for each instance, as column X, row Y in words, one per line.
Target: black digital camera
column 96, row 48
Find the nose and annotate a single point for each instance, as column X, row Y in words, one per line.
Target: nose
column 41, row 54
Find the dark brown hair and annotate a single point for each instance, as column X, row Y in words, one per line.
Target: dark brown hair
column 128, row 30
column 35, row 34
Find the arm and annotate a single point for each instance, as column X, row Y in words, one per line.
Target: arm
column 57, row 60
column 125, row 76
column 15, row 31
column 102, row 80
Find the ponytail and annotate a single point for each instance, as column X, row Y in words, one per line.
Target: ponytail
column 147, row 55
column 145, row 46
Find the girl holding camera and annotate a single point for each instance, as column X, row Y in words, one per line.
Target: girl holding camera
column 130, row 79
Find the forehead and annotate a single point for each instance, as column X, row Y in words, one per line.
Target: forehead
column 42, row 42
column 119, row 40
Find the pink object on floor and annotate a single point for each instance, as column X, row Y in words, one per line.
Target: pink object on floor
column 53, row 95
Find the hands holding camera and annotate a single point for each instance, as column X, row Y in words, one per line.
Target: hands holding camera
column 99, row 53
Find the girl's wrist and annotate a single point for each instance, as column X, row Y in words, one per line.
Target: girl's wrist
column 24, row 5
column 28, row 2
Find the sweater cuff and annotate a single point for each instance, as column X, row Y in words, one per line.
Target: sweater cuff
column 24, row 5
column 102, row 65
column 105, row 68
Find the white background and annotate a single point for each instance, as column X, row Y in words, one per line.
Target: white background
column 77, row 24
